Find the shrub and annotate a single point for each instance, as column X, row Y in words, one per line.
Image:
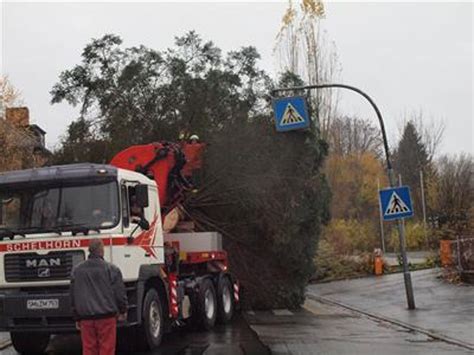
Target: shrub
column 351, row 236
column 346, row 250
column 331, row 265
column 415, row 235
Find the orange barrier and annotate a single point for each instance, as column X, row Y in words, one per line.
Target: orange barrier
column 445, row 252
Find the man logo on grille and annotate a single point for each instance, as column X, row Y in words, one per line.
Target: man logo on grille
column 44, row 272
column 32, row 263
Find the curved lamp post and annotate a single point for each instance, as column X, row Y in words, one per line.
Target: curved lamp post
column 391, row 177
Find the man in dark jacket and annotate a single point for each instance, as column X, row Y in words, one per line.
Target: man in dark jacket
column 98, row 299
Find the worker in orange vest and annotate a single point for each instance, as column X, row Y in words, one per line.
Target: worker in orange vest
column 193, row 150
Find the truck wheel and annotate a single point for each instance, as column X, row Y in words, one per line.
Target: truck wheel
column 207, row 305
column 30, row 343
column 225, row 301
column 151, row 331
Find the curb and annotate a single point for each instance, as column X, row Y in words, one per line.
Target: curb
column 5, row 344
column 379, row 317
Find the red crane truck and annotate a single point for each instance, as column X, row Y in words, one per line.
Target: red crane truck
column 48, row 216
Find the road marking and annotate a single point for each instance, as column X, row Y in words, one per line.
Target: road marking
column 252, row 313
column 282, row 312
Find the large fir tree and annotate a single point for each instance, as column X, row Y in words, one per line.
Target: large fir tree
column 410, row 158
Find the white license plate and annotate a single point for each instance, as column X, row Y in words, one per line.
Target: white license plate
column 43, row 304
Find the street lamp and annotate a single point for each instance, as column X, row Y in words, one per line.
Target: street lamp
column 391, row 176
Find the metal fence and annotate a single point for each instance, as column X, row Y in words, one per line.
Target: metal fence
column 463, row 252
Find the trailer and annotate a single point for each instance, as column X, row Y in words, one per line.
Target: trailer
column 48, row 216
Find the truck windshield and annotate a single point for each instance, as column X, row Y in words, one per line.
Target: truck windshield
column 54, row 208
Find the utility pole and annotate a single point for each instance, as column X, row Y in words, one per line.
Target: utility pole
column 400, row 184
column 391, row 176
column 423, row 202
column 382, row 236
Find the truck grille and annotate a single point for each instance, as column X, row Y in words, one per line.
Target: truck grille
column 56, row 265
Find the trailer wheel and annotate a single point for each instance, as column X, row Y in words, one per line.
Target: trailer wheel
column 151, row 330
column 30, row 343
column 225, row 300
column 207, row 305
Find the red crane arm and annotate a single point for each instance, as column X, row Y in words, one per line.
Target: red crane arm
column 160, row 161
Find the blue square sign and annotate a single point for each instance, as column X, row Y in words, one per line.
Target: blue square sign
column 396, row 203
column 291, row 113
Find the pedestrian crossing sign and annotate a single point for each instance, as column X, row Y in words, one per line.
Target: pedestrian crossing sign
column 396, row 203
column 291, row 113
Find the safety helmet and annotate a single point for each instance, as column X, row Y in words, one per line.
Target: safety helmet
column 194, row 136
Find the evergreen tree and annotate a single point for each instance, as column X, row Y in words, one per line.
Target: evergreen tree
column 409, row 159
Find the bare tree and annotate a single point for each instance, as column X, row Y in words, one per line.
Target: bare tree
column 452, row 191
column 9, row 95
column 353, row 135
column 288, row 40
column 303, row 48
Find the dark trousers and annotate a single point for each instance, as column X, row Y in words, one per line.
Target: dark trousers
column 98, row 336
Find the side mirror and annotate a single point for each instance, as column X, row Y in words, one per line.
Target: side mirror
column 144, row 224
column 141, row 193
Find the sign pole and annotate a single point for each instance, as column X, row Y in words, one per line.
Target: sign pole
column 423, row 204
column 403, row 252
column 382, row 234
column 400, row 184
column 391, row 177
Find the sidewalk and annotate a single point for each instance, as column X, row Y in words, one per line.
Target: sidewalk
column 320, row 328
column 442, row 309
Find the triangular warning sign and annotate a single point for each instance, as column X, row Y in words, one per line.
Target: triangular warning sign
column 396, row 205
column 291, row 116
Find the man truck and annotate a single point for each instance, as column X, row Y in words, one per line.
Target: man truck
column 48, row 216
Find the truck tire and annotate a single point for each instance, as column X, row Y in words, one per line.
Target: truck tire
column 225, row 300
column 150, row 332
column 207, row 305
column 30, row 343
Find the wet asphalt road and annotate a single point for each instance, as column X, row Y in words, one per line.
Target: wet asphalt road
column 234, row 339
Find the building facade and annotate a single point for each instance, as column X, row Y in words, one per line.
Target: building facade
column 22, row 145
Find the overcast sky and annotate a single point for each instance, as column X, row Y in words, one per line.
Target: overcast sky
column 408, row 56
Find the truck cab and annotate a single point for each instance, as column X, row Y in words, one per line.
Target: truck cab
column 47, row 218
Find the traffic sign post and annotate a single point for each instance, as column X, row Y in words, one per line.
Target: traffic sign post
column 291, row 113
column 396, row 204
column 401, row 237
